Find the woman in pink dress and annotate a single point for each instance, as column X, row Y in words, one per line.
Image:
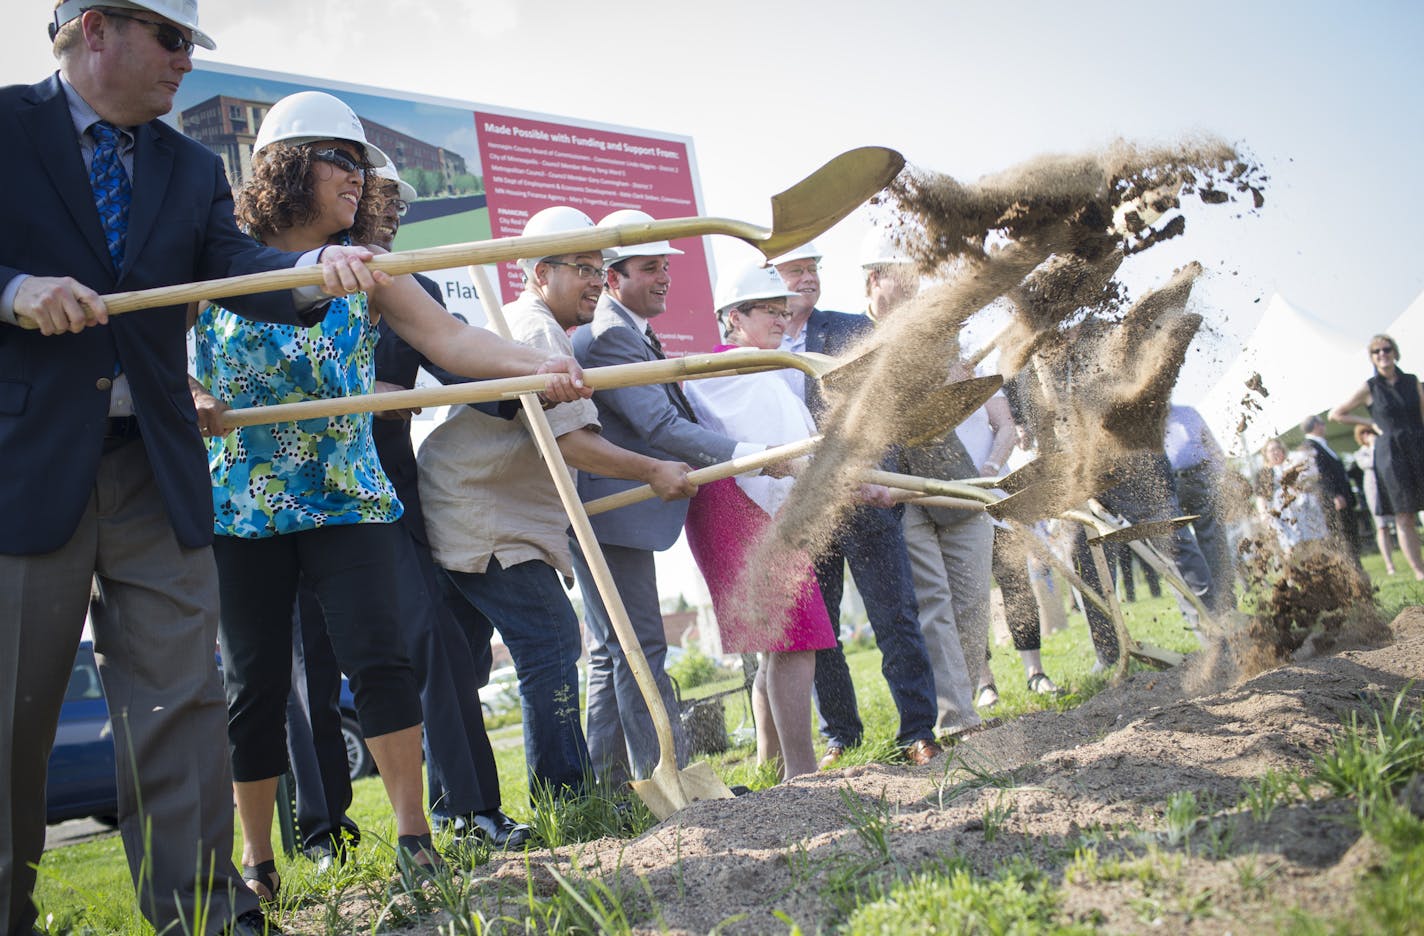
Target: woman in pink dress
column 727, row 518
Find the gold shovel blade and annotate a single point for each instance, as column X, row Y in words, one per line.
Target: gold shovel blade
column 666, row 794
column 1145, row 530
column 946, row 407
column 813, row 205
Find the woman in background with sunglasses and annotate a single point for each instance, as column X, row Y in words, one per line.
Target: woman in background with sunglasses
column 308, row 499
column 1396, row 402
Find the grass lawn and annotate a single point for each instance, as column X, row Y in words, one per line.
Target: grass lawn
column 84, row 888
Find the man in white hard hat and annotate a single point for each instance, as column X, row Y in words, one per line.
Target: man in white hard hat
column 871, row 541
column 495, row 521
column 949, row 550
column 890, row 276
column 107, row 477
column 659, row 422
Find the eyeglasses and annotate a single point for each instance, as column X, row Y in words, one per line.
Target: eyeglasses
column 341, row 160
column 1382, row 350
column 585, row 272
column 775, row 312
column 168, row 36
column 800, row 269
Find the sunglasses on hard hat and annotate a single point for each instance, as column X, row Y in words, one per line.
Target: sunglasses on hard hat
column 340, row 159
column 170, row 39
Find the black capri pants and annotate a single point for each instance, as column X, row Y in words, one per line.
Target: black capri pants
column 350, row 568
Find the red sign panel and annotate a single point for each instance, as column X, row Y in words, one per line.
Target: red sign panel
column 531, row 164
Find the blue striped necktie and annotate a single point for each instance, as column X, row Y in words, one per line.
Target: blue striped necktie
column 112, row 192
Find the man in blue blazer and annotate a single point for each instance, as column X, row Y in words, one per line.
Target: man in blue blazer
column 106, row 476
column 657, row 421
column 872, row 542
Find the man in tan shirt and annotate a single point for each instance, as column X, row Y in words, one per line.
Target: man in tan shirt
column 494, row 519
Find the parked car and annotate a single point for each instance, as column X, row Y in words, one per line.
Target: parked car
column 358, row 757
column 81, row 780
column 501, row 693
column 81, row 765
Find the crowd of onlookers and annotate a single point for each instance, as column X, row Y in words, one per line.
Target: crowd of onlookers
column 1314, row 494
column 311, row 548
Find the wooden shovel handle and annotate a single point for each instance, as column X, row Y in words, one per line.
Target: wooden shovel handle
column 726, row 469
column 691, row 367
column 597, row 565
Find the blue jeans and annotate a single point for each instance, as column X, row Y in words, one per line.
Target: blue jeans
column 527, row 605
column 872, row 542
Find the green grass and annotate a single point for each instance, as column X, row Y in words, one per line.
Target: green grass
column 84, row 888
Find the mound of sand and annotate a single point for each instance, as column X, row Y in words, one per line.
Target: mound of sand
column 1108, row 765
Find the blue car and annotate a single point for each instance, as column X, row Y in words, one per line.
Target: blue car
column 81, row 766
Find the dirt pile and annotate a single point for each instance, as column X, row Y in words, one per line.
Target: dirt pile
column 1040, row 789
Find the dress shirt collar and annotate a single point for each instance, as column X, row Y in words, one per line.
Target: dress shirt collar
column 639, row 322
column 1320, row 441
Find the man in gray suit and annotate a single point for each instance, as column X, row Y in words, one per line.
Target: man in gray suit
column 659, row 422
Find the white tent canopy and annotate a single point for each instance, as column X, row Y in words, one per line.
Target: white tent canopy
column 1408, row 333
column 1306, row 366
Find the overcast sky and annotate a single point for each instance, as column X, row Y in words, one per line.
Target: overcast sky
column 1327, row 96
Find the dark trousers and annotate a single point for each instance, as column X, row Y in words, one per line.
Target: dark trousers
column 1010, row 568
column 314, row 741
column 872, row 542
column 527, row 605
column 351, row 570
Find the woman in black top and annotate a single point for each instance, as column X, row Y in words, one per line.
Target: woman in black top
column 1396, row 402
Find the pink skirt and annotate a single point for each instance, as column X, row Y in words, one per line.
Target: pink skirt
column 723, row 524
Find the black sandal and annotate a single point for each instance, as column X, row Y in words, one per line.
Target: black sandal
column 264, row 875
column 418, row 853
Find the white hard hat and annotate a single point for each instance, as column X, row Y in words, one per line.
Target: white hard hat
column 407, row 191
column 559, row 219
column 806, row 251
column 182, row 12
column 748, row 281
column 881, row 246
column 308, row 116
column 634, row 216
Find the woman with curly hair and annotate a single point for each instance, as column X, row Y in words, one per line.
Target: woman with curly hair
column 308, row 499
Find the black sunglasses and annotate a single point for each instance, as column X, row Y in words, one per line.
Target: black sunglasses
column 168, row 36
column 340, row 159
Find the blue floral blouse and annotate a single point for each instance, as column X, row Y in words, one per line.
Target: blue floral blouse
column 292, row 476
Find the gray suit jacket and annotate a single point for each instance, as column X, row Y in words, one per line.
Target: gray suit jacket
column 650, row 420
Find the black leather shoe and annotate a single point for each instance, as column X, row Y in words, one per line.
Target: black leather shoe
column 253, row 923
column 493, row 828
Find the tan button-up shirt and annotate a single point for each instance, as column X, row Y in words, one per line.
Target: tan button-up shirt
column 484, row 487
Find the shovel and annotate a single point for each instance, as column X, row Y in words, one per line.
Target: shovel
column 807, row 209
column 1145, row 530
column 691, row 367
column 668, row 789
column 940, row 411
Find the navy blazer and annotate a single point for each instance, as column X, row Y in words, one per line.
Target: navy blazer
column 1334, row 482
column 833, row 333
column 650, row 420
column 54, row 395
